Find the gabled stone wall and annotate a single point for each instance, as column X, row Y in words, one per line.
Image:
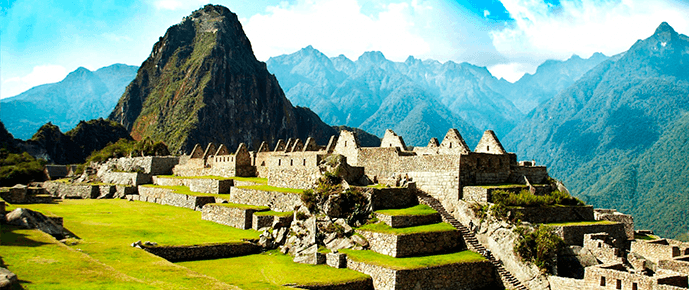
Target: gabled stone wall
column 655, row 250
column 294, row 170
column 574, row 234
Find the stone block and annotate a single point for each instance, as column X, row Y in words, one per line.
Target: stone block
column 262, row 221
column 336, row 260
column 277, row 201
column 414, row 244
column 397, row 221
column 121, row 191
column 574, row 234
column 241, row 218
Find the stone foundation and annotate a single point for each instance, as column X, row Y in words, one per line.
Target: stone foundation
column 169, row 197
column 204, row 185
column 574, row 234
column 277, row 201
column 655, row 250
column 336, row 260
column 126, row 178
column 225, row 214
column 399, row 197
column 476, row 275
column 364, row 284
column 266, row 221
column 414, row 244
column 70, row 190
column 397, row 221
column 203, row 252
column 485, row 193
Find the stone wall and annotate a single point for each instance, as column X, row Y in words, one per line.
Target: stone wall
column 535, row 174
column 277, row 201
column 615, row 216
column 169, row 197
column 294, row 170
column 264, row 221
column 16, row 194
column 397, row 221
column 71, row 190
column 602, row 247
column 485, row 193
column 154, row 165
column 203, row 252
column 679, row 265
column 477, row 275
column 394, row 197
column 615, row 276
column 121, row 191
column 225, row 214
column 486, row 168
column 204, row 185
column 125, row 178
column 413, row 244
column 655, row 250
column 563, row 283
column 3, row 211
column 574, row 234
column 363, row 284
column 554, row 214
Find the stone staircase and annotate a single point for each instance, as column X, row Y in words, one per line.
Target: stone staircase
column 471, row 240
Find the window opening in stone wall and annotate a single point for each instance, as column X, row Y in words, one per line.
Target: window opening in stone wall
column 599, row 244
column 304, row 162
column 279, row 162
column 450, row 145
column 291, row 162
column 635, row 286
column 487, row 148
column 602, row 281
column 263, row 163
column 345, row 145
column 619, row 284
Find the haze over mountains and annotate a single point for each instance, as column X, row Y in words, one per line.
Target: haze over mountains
column 614, row 129
column 81, row 95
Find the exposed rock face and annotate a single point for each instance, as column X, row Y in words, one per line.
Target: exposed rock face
column 202, row 83
column 30, row 219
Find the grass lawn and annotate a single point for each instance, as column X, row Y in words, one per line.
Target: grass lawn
column 378, row 186
column 386, row 261
column 251, row 179
column 645, row 237
column 584, row 223
column 181, row 189
column 274, row 213
column 107, row 228
column 420, row 209
column 270, row 270
column 272, row 188
column 384, row 228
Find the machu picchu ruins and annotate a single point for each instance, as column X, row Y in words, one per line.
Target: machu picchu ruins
column 329, row 204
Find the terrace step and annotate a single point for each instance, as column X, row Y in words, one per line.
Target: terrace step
column 471, row 239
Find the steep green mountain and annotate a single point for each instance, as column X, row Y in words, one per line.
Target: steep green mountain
column 82, row 95
column 550, row 78
column 624, row 112
column 75, row 145
column 202, row 83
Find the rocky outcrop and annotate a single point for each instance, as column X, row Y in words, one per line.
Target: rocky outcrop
column 29, row 219
column 7, row 279
column 202, row 83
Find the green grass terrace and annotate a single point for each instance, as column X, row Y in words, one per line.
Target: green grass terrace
column 584, row 223
column 418, row 210
column 181, row 189
column 258, row 180
column 381, row 227
column 410, row 263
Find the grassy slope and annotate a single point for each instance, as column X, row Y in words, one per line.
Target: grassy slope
column 420, row 209
column 270, row 270
column 383, row 228
column 272, row 188
column 413, row 262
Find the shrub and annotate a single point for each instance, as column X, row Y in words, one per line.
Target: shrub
column 526, row 199
column 538, row 246
column 20, row 168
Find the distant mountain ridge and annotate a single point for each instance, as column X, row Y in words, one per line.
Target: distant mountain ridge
column 613, row 136
column 81, row 95
column 364, row 93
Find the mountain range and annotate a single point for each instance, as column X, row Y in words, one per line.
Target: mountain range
column 81, row 95
column 617, row 135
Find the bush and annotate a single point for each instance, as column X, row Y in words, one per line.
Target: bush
column 20, row 168
column 526, row 199
column 539, row 246
column 353, row 204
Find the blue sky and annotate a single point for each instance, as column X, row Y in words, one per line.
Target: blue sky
column 42, row 41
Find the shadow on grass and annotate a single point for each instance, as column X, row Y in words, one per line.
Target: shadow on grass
column 16, row 286
column 9, row 237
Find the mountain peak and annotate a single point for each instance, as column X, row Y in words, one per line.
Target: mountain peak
column 373, row 57
column 664, row 28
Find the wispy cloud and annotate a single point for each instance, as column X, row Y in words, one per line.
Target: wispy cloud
column 42, row 74
column 337, row 27
column 543, row 31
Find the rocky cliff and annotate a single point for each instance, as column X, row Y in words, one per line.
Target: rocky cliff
column 202, row 83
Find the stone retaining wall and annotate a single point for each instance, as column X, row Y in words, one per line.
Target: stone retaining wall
column 563, row 283
column 125, row 178
column 554, row 214
column 266, row 221
column 169, row 197
column 399, row 197
column 574, row 234
column 413, row 244
column 364, row 284
column 203, row 252
column 71, row 190
column 240, row 218
column 204, row 185
column 476, row 275
column 679, row 265
column 615, row 216
column 485, row 193
column 123, row 190
column 152, row 165
column 398, row 221
column 277, row 201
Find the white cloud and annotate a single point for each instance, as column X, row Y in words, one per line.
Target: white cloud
column 41, row 74
column 486, row 13
column 511, row 72
column 338, row 27
column 542, row 31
